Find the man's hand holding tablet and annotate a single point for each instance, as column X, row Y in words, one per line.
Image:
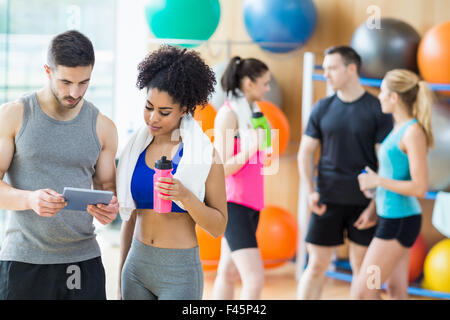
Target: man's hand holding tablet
column 102, row 205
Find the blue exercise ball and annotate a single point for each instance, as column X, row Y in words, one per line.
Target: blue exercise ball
column 183, row 19
column 287, row 21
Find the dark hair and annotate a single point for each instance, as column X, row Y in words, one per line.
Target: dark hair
column 239, row 68
column 70, row 49
column 182, row 74
column 348, row 54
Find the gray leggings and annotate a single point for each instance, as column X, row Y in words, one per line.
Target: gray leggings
column 151, row 273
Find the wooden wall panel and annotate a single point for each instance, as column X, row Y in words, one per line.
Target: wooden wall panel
column 337, row 20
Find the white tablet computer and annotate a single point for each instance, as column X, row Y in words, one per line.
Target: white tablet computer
column 78, row 199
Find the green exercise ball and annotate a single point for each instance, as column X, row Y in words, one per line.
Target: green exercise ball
column 183, row 19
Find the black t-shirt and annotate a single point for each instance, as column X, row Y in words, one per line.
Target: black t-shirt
column 348, row 132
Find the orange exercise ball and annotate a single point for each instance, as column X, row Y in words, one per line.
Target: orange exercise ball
column 276, row 236
column 433, row 55
column 209, row 248
column 205, row 117
column 279, row 123
column 417, row 258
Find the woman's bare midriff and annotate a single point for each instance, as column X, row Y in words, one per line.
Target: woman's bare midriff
column 165, row 230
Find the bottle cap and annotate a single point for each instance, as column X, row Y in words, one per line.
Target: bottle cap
column 163, row 164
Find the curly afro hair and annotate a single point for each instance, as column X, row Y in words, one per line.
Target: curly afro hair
column 181, row 73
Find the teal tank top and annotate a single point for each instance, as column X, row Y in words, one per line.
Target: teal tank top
column 394, row 164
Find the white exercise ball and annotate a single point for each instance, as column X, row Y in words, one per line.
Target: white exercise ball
column 439, row 156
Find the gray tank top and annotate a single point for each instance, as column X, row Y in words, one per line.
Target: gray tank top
column 52, row 154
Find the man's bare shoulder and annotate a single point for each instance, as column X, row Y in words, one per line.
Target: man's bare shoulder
column 11, row 115
column 11, row 108
column 105, row 122
column 106, row 129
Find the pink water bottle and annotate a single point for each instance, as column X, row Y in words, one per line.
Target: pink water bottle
column 163, row 169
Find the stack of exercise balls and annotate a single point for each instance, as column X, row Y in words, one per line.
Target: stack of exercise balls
column 395, row 44
column 433, row 59
column 183, row 19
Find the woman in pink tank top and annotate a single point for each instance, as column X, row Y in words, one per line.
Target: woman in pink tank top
column 245, row 81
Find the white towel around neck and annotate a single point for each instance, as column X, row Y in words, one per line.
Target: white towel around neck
column 243, row 112
column 192, row 171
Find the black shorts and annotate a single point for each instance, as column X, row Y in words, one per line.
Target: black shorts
column 405, row 230
column 241, row 227
column 328, row 229
column 66, row 281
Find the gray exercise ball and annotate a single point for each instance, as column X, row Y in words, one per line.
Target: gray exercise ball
column 439, row 156
column 218, row 98
column 393, row 45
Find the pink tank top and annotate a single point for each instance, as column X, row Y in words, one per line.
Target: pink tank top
column 246, row 186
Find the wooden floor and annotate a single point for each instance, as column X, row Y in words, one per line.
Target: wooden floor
column 280, row 283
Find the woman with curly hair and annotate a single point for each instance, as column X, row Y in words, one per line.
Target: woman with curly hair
column 159, row 255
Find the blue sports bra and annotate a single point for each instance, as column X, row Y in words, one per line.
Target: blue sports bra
column 142, row 182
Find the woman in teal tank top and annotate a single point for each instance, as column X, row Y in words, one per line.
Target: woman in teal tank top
column 402, row 178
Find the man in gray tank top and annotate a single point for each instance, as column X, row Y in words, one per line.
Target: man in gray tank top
column 49, row 140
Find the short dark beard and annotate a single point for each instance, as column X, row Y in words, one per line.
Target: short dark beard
column 59, row 101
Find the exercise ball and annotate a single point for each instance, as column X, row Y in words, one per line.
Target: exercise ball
column 437, row 267
column 218, row 98
column 291, row 22
column 205, row 117
column 209, row 248
column 183, row 19
column 393, row 45
column 416, row 258
column 279, row 124
column 439, row 156
column 433, row 56
column 276, row 236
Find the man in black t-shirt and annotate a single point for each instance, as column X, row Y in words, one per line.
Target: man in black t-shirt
column 348, row 128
